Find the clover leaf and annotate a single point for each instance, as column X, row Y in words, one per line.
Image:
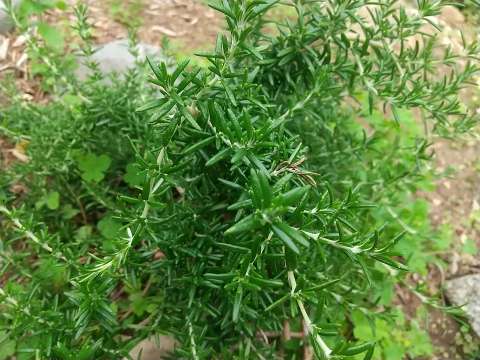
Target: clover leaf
column 93, row 167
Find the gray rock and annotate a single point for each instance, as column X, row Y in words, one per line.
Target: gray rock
column 465, row 290
column 5, row 22
column 115, row 57
column 154, row 348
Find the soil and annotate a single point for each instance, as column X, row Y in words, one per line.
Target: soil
column 191, row 25
column 188, row 25
column 455, row 201
column 6, row 157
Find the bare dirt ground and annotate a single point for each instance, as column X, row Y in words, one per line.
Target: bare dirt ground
column 454, row 202
column 191, row 25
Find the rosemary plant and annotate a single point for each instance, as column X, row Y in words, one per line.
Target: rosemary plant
column 231, row 202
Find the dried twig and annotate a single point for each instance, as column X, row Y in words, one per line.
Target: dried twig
column 307, row 348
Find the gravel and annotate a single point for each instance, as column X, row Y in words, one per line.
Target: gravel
column 465, row 290
column 115, row 57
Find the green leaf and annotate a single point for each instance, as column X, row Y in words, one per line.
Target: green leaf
column 362, row 327
column 218, row 157
column 294, row 234
column 7, row 347
column 323, row 286
column 222, row 9
column 443, row 238
column 266, row 282
column 139, row 303
column 224, row 277
column 369, row 353
column 26, row 347
column 394, row 351
column 93, row 167
column 87, row 353
column 470, row 247
column 286, row 239
column 153, row 104
column 198, row 145
column 261, row 190
column 133, row 175
column 109, row 227
column 278, row 302
column 233, row 247
column 237, row 303
column 358, row 349
column 420, row 343
column 83, row 233
column 52, row 274
column 52, row 200
column 265, row 189
column 61, row 5
column 246, row 224
column 291, row 259
column 292, row 197
column 53, row 36
column 390, row 262
column 179, row 70
column 29, row 7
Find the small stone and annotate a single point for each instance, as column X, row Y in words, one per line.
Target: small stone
column 465, row 290
column 5, row 22
column 166, row 31
column 154, row 348
column 452, row 16
column 115, row 57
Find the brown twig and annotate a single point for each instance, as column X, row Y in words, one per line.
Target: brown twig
column 307, row 349
column 287, row 335
column 276, row 334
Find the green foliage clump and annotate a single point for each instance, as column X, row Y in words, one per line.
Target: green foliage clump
column 230, row 201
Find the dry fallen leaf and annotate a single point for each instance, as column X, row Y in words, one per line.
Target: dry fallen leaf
column 19, row 155
column 18, row 189
column 475, row 205
column 4, row 46
column 19, row 151
column 19, row 41
column 166, row 31
column 158, row 255
column 23, row 59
